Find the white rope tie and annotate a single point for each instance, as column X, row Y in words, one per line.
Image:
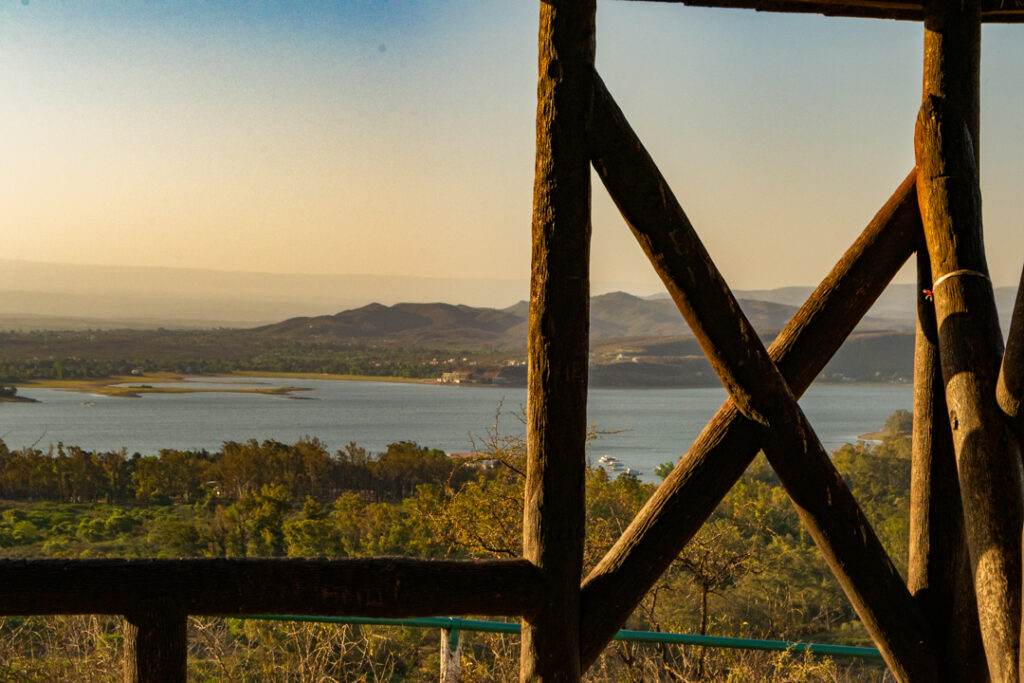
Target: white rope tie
column 958, row 273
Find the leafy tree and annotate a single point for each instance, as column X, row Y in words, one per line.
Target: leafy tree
column 900, row 423
column 663, row 470
column 263, row 513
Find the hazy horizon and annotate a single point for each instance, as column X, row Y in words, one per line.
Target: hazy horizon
column 51, row 295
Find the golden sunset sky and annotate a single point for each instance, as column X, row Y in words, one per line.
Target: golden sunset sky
column 396, row 138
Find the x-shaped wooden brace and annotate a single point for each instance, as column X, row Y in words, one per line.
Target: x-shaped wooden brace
column 762, row 411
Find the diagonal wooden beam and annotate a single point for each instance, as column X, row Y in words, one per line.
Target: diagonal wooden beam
column 760, row 393
column 725, row 447
column 556, row 407
column 970, row 345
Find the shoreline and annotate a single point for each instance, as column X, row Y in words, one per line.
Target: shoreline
column 150, row 384
column 135, row 386
column 110, row 386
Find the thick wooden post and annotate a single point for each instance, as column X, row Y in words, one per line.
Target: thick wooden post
column 970, row 345
column 939, row 572
column 553, row 524
column 155, row 643
column 761, row 394
column 939, row 566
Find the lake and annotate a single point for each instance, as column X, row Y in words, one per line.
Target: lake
column 651, row 426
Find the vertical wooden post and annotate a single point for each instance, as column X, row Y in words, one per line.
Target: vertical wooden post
column 939, row 568
column 970, row 346
column 988, row 461
column 155, row 643
column 451, row 653
column 559, row 339
column 939, row 573
column 952, row 59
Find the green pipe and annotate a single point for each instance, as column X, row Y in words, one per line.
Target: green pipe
column 455, row 624
column 749, row 644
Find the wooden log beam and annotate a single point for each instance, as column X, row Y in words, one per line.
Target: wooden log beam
column 1010, row 386
column 993, row 11
column 939, row 571
column 156, row 643
column 939, row 565
column 760, row 393
column 374, row 587
column 970, row 344
column 725, row 447
column 556, row 408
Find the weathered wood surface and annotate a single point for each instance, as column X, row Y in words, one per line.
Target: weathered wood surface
column 761, row 394
column 728, row 443
column 939, row 564
column 375, row 587
column 553, row 525
column 993, row 11
column 1010, row 386
column 156, row 643
column 952, row 60
column 970, row 344
column 939, row 572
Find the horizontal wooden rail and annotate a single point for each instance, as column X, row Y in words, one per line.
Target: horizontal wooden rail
column 993, row 11
column 372, row 587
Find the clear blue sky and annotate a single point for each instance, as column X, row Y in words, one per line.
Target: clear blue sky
column 396, row 137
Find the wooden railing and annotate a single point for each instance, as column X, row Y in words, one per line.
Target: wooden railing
column 157, row 596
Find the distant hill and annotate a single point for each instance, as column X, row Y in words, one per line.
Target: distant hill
column 37, row 295
column 612, row 316
column 409, row 323
column 894, row 309
column 634, row 342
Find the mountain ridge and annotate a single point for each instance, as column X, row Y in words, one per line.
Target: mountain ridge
column 613, row 315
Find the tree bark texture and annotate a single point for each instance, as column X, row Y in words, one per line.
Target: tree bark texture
column 939, row 566
column 375, row 587
column 939, row 572
column 155, row 643
column 761, row 394
column 728, row 443
column 952, row 59
column 553, row 525
column 970, row 344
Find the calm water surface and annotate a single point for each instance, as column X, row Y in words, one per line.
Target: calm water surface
column 657, row 425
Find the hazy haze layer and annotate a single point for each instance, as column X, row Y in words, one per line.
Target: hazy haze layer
column 396, row 138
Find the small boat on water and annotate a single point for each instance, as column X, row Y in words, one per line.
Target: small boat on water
column 607, row 459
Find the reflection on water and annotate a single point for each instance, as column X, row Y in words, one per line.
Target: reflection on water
column 657, row 425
